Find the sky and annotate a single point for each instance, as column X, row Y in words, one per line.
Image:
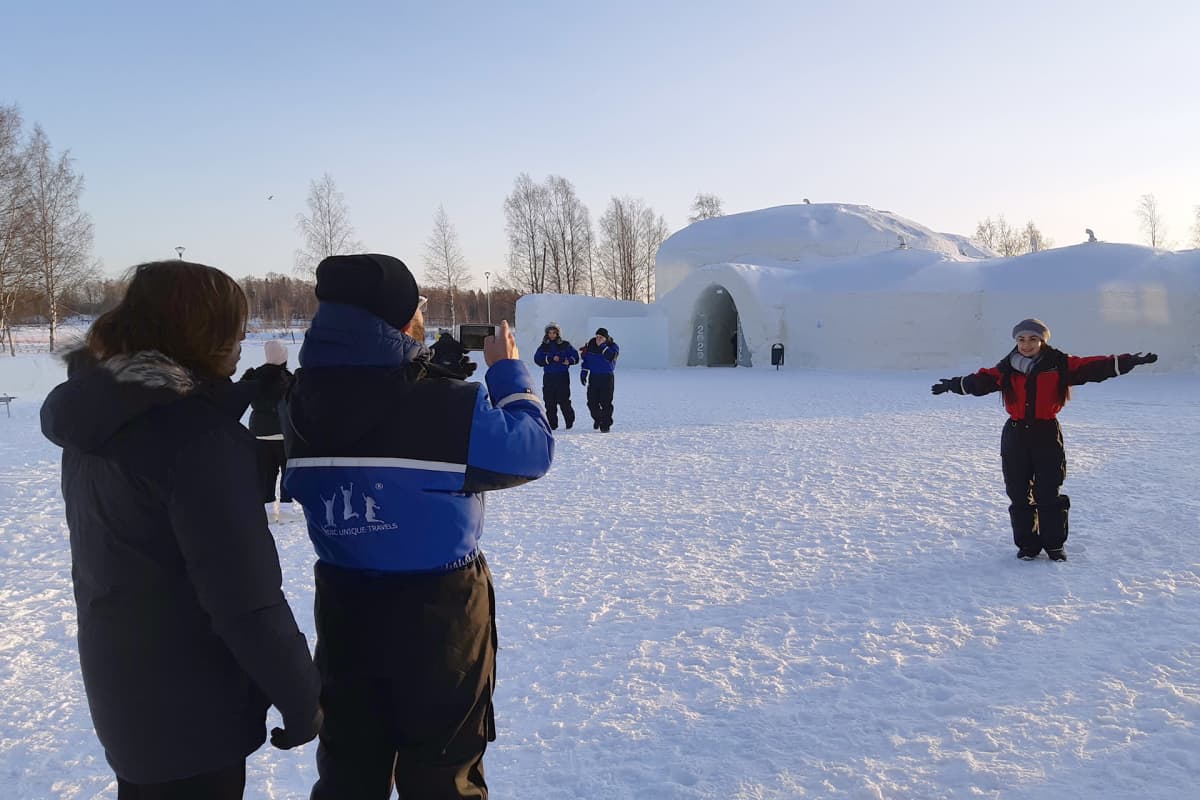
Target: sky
column 185, row 118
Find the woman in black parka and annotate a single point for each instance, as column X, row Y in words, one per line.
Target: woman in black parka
column 272, row 379
column 185, row 638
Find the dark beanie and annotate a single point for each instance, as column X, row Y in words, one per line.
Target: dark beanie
column 377, row 283
column 1034, row 326
column 602, row 332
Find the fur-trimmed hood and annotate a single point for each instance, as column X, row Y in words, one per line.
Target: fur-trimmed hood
column 101, row 397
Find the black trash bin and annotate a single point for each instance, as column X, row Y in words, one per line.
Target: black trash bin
column 777, row 355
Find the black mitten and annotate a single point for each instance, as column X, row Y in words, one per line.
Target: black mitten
column 942, row 386
column 290, row 736
column 583, row 376
column 1127, row 362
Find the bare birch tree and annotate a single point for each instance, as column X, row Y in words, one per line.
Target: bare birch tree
column 654, row 232
column 705, row 206
column 15, row 210
column 1151, row 221
column 524, row 214
column 445, row 266
column 629, row 237
column 1001, row 237
column 326, row 228
column 60, row 233
column 567, row 228
column 1035, row 240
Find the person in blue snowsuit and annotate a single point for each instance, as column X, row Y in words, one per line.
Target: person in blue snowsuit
column 599, row 362
column 556, row 357
column 389, row 455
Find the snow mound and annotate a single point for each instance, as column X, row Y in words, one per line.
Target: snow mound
column 793, row 235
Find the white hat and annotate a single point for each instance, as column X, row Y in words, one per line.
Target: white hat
column 276, row 352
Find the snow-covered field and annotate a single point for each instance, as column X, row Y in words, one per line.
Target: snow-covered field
column 761, row 584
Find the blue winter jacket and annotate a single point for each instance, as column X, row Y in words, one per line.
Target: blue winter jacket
column 544, row 357
column 600, row 360
column 389, row 455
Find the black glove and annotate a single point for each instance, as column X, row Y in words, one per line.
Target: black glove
column 1127, row 362
column 583, row 375
column 293, row 736
column 942, row 386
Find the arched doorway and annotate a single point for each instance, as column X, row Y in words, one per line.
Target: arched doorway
column 717, row 339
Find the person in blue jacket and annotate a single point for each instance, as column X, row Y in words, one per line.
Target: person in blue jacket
column 556, row 357
column 389, row 454
column 599, row 361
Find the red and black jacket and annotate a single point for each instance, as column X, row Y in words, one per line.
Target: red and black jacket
column 1045, row 390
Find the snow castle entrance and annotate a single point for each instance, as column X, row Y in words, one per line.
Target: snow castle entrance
column 717, row 339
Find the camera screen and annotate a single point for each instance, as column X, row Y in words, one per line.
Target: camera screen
column 472, row 336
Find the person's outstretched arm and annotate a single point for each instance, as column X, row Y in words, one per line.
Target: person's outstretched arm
column 985, row 381
column 1093, row 369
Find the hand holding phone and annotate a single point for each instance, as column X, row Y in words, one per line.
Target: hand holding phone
column 501, row 346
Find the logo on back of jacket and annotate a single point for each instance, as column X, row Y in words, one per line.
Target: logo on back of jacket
column 340, row 521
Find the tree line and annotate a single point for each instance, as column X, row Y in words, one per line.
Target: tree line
column 1009, row 240
column 553, row 246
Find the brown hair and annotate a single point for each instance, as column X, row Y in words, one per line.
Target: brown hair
column 191, row 313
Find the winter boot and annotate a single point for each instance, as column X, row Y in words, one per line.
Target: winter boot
column 1057, row 555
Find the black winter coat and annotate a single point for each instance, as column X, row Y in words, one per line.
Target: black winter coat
column 272, row 381
column 185, row 637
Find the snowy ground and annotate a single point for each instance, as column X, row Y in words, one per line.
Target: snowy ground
column 761, row 584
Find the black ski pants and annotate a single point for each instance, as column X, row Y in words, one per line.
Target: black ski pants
column 227, row 783
column 600, row 398
column 408, row 665
column 271, row 464
column 1035, row 466
column 556, row 393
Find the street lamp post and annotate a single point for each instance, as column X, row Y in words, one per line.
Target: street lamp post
column 180, row 250
column 487, row 282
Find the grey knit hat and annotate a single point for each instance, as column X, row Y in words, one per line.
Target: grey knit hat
column 1033, row 326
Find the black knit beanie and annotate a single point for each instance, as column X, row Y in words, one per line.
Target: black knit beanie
column 373, row 282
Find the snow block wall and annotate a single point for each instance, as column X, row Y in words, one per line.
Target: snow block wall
column 640, row 330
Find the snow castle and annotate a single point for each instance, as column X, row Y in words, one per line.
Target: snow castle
column 852, row 287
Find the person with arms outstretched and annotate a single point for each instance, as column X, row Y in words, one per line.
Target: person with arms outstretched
column 1035, row 381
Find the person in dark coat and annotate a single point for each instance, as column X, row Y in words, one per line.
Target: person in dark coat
column 185, row 638
column 449, row 353
column 599, row 362
column 1035, row 380
column 389, row 455
column 272, row 380
column 556, row 356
